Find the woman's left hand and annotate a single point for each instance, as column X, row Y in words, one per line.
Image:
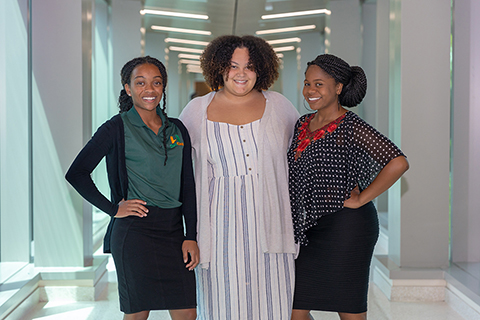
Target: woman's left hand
column 354, row 201
column 191, row 247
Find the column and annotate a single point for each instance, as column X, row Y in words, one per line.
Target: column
column 344, row 38
column 369, row 107
column 465, row 220
column 62, row 116
column 312, row 45
column 419, row 112
column 382, row 62
column 127, row 37
column 466, row 133
column 15, row 176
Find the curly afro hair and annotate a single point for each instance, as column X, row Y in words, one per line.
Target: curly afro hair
column 216, row 58
column 353, row 78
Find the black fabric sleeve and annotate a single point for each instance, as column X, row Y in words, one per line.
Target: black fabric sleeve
column 79, row 173
column 374, row 152
column 187, row 193
column 379, row 147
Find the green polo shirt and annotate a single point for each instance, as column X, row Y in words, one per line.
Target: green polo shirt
column 148, row 178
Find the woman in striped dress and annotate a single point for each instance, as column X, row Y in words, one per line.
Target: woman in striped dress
column 240, row 135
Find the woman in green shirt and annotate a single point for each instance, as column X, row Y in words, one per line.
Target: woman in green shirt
column 150, row 174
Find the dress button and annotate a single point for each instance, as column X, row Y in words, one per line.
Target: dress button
column 247, row 154
column 243, row 140
column 241, row 127
column 250, row 169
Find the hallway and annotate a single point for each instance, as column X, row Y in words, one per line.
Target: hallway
column 107, row 308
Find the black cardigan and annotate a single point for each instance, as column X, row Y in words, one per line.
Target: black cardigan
column 109, row 141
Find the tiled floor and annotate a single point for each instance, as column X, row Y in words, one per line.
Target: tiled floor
column 107, row 308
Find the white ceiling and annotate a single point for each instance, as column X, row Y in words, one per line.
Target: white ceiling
column 238, row 17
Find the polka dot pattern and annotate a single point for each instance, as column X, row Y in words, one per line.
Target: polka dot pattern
column 329, row 168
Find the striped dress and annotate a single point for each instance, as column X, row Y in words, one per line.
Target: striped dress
column 242, row 282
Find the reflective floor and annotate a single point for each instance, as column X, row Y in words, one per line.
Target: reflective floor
column 107, row 308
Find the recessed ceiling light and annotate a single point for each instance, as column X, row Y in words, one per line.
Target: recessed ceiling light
column 280, row 30
column 198, row 43
column 278, row 41
column 174, row 14
column 296, row 14
column 188, row 56
column 183, row 49
column 287, row 48
column 192, row 31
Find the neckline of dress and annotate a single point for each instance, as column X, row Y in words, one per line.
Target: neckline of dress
column 237, row 125
column 325, row 126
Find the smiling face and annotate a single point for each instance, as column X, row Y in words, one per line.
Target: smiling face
column 320, row 90
column 145, row 87
column 241, row 77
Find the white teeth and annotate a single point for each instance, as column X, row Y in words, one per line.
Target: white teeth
column 313, row 99
column 149, row 98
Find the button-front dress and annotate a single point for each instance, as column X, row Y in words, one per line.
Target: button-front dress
column 242, row 282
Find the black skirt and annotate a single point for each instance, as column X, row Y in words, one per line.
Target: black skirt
column 148, row 258
column 332, row 271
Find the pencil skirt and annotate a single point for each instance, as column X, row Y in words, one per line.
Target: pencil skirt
column 149, row 262
column 332, row 271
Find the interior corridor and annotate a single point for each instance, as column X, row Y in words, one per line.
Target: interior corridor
column 107, row 308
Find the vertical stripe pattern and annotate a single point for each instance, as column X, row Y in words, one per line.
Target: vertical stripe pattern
column 242, row 282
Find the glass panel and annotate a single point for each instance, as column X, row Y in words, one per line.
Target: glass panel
column 103, row 107
column 15, row 179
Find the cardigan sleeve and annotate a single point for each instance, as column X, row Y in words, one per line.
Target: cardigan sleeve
column 79, row 173
column 187, row 193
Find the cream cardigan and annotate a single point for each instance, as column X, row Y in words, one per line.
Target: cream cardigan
column 275, row 134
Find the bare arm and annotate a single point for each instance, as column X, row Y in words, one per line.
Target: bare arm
column 384, row 180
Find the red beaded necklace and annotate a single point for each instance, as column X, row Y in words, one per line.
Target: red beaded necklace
column 305, row 137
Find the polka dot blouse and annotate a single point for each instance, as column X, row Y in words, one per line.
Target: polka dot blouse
column 328, row 169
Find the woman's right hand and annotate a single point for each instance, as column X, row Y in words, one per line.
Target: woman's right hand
column 134, row 207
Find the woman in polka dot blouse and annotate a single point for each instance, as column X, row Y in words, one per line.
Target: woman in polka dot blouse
column 337, row 164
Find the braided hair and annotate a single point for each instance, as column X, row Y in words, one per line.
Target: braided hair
column 125, row 102
column 353, row 78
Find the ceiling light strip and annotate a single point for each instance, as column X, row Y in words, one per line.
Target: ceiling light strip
column 188, row 56
column 279, row 41
column 296, row 14
column 186, row 61
column 287, row 48
column 184, row 41
column 174, row 14
column 183, row 49
column 291, row 29
column 192, row 31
